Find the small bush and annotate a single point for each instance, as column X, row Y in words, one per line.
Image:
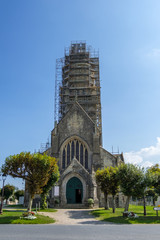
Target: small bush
column 90, row 201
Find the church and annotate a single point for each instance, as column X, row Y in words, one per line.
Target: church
column 76, row 139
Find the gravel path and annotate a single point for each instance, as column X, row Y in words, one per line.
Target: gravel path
column 73, row 217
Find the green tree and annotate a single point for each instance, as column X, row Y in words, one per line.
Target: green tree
column 151, row 193
column 109, row 184
column 19, row 193
column 114, row 185
column 155, row 171
column 142, row 186
column 36, row 169
column 8, row 191
column 51, row 182
column 130, row 177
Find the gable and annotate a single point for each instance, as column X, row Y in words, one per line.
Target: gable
column 107, row 158
column 75, row 167
column 76, row 122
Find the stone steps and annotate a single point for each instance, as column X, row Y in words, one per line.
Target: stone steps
column 73, row 206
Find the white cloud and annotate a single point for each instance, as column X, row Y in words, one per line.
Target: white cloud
column 145, row 157
column 133, row 157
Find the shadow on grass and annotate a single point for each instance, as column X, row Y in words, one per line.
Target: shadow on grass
column 8, row 219
column 106, row 216
column 14, row 206
column 14, row 210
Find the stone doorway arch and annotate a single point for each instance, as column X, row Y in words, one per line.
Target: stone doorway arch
column 74, row 191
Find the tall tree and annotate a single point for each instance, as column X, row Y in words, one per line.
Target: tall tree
column 51, row 182
column 108, row 182
column 142, row 187
column 36, row 169
column 151, row 193
column 155, row 171
column 114, row 185
column 130, row 177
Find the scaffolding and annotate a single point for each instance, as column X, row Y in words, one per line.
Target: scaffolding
column 77, row 78
column 58, row 84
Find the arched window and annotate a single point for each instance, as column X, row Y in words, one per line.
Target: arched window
column 64, row 159
column 68, row 154
column 86, row 159
column 77, row 150
column 81, row 154
column 72, row 156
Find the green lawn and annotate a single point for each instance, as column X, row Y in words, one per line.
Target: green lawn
column 47, row 210
column 13, row 217
column 117, row 217
column 14, row 206
column 21, row 207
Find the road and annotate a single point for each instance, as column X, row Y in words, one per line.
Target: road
column 79, row 232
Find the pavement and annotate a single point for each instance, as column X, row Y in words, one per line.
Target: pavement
column 79, row 232
column 78, row 224
column 73, row 217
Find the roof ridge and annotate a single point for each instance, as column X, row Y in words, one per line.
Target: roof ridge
column 86, row 113
column 107, row 152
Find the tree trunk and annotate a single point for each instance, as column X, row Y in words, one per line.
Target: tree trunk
column 144, row 205
column 30, row 203
column 154, row 202
column 106, row 201
column 127, row 203
column 44, row 200
column 113, row 203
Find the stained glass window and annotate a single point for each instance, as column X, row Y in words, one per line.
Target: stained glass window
column 81, row 154
column 68, row 154
column 72, row 150
column 63, row 159
column 86, row 159
column 77, row 150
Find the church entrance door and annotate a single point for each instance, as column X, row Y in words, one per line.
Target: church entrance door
column 74, row 191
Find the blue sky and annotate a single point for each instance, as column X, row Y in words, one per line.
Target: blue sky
column 34, row 34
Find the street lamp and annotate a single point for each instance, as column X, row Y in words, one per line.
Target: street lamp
column 2, row 195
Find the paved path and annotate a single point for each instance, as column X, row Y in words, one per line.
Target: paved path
column 73, row 217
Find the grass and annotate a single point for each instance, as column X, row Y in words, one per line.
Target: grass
column 47, row 210
column 13, row 214
column 21, row 207
column 14, row 206
column 117, row 217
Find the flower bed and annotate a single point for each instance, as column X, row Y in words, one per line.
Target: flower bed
column 29, row 215
column 130, row 214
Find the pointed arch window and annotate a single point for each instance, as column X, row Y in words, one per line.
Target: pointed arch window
column 72, row 156
column 77, row 150
column 81, row 154
column 68, row 154
column 86, row 159
column 64, row 159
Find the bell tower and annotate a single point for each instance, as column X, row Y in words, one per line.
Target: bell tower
column 77, row 79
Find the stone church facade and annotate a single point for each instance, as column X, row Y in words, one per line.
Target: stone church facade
column 76, row 139
column 76, row 143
